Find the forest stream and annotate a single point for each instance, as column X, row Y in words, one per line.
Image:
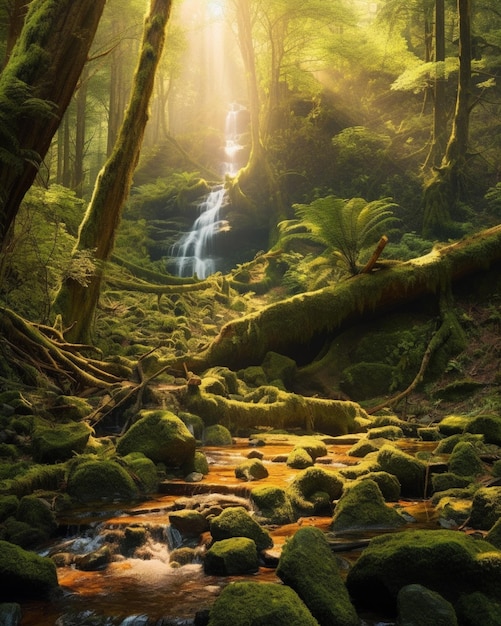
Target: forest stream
column 146, row 586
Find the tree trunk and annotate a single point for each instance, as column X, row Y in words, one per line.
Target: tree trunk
column 36, row 85
column 289, row 327
column 76, row 301
column 81, row 106
column 445, row 189
column 17, row 13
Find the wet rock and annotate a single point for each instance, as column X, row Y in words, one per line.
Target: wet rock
column 10, row 614
column 313, row 490
column 228, row 557
column 485, row 508
column 273, row 506
column 362, row 506
column 253, row 604
column 308, row 566
column 419, row 606
column 255, row 454
column 236, row 522
column 25, row 575
column 194, row 477
column 94, row 561
column 251, row 469
column 189, row 523
column 217, row 435
column 410, row 471
column 183, row 556
column 93, row 479
column 299, row 459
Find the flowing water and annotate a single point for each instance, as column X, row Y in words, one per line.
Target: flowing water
column 144, row 583
column 195, row 252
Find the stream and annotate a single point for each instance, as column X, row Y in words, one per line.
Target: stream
column 144, row 584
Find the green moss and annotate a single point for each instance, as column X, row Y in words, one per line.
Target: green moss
column 477, row 609
column 8, row 507
column 416, row 603
column 91, row 480
column 363, row 381
column 454, row 425
column 409, row 471
column 59, row 442
column 387, row 483
column 198, row 464
column 385, row 432
column 25, row 575
column 37, row 514
column 272, row 505
column 38, row 477
column 227, row 557
column 447, row 445
column 144, row 472
column 465, row 460
column 236, row 522
column 308, row 566
column 362, row 448
column 304, row 491
column 251, row 469
column 486, row 508
column 217, row 435
column 448, row 480
column 299, row 458
column 257, row 604
column 487, row 425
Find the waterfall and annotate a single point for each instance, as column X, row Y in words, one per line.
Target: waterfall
column 195, row 253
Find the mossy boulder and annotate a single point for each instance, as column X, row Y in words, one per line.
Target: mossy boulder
column 447, row 445
column 387, row 483
column 313, row 490
column 363, row 447
column 465, row 460
column 362, row 506
column 445, row 561
column 251, row 469
column 453, row 511
column 409, row 429
column 419, row 606
column 364, row 380
column 485, row 508
column 298, row 458
column 161, row 436
column 91, row 480
column 254, row 375
column 217, row 435
column 453, row 425
column 8, row 507
column 229, row 557
column 198, row 464
column 410, row 471
column 249, row 603
column 235, row 521
column 59, row 442
column 279, row 367
column 313, row 446
column 476, row 609
column 37, row 513
column 188, row 522
column 272, row 505
column 308, row 566
column 144, row 471
column 448, row 480
column 487, row 425
column 385, row 432
column 25, row 575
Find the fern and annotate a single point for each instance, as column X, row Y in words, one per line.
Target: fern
column 346, row 227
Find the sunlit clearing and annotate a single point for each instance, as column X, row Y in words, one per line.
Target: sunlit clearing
column 216, row 8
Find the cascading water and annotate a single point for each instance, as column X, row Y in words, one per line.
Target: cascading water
column 194, row 253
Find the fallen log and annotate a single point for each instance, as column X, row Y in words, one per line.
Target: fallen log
column 289, row 326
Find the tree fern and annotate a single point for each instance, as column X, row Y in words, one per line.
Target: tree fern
column 346, row 226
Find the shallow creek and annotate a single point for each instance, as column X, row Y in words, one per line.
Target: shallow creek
column 149, row 586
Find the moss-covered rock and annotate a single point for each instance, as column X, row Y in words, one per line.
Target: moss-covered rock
column 308, row 566
column 298, row 458
column 193, row 422
column 448, row 480
column 235, row 521
column 447, row 445
column 161, row 436
column 485, row 508
column 91, row 480
column 314, row 446
column 217, row 435
column 22, row 534
column 53, row 442
column 8, row 507
column 487, row 425
column 453, row 425
column 408, row 428
column 279, row 367
column 25, row 575
column 364, row 447
column 198, row 464
column 257, row 604
column 410, row 471
column 144, row 471
column 387, row 483
column 465, row 460
column 37, row 514
column 229, row 557
column 419, row 606
column 273, row 506
column 362, row 506
column 188, row 522
column 251, row 469
column 385, row 432
column 313, row 490
column 445, row 561
column 254, row 376
column 476, row 609
column 453, row 511
column 363, row 381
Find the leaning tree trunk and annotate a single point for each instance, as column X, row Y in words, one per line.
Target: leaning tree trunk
column 36, row 87
column 445, row 188
column 290, row 326
column 77, row 300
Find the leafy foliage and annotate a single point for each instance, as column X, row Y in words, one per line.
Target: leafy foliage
column 346, row 227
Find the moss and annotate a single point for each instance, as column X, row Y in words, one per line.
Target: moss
column 408, row 428
column 8, row 507
column 237, row 555
column 299, row 458
column 59, row 442
column 445, row 561
column 272, row 505
column 363, row 381
column 452, row 509
column 477, row 609
column 91, row 480
column 25, row 575
column 487, row 425
column 448, row 480
column 37, row 514
column 194, row 423
column 198, row 464
column 409, row 471
column 304, row 491
column 447, row 445
column 279, row 367
column 159, row 435
column 182, row 556
column 385, row 432
column 188, row 522
column 236, row 522
column 38, row 477
column 256, row 604
column 486, row 508
column 362, row 506
column 362, row 448
column 453, row 425
column 416, row 604
column 387, row 483
column 465, row 460
column 144, row 472
column 254, row 375
column 251, row 469
column 313, row 446
column 308, row 566
column 217, row 435
column 366, row 466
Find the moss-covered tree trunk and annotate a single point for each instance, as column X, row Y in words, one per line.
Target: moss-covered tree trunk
column 290, row 326
column 36, row 86
column 445, row 187
column 76, row 300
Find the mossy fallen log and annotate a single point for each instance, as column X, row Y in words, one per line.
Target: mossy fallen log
column 289, row 326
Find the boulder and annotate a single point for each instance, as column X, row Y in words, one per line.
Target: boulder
column 313, row 490
column 410, row 471
column 485, row 508
column 25, row 575
column 217, row 435
column 235, row 521
column 251, row 469
column 52, row 443
column 91, row 480
column 94, row 561
column 279, row 367
column 272, row 505
column 197, row 464
column 308, row 566
column 446, row 561
column 419, row 606
column 161, row 436
column 230, row 557
column 465, row 460
column 188, row 522
column 388, row 483
column 476, row 609
column 362, row 506
column 298, row 458
column 144, row 471
column 249, row 603
column 487, row 425
column 37, row 514
column 448, row 480
column 385, row 432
